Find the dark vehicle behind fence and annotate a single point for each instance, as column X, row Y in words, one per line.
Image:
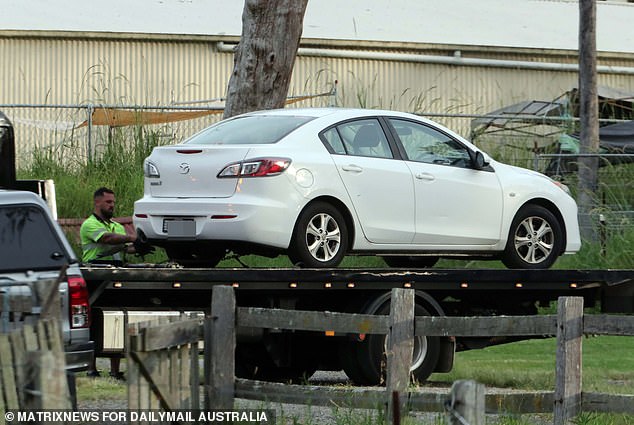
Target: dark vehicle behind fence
column 34, row 250
column 616, row 146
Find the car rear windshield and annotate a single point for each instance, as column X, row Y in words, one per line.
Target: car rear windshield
column 249, row 130
column 28, row 241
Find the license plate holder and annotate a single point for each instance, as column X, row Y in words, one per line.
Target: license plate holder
column 179, row 227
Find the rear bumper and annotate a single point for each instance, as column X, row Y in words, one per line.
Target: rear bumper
column 79, row 356
column 248, row 219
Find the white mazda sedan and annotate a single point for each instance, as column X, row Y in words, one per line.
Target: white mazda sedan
column 319, row 184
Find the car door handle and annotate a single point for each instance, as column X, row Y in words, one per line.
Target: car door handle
column 353, row 168
column 425, row 176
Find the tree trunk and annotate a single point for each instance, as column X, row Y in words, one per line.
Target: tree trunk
column 265, row 56
column 589, row 116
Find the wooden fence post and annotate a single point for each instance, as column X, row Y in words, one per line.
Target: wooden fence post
column 220, row 347
column 48, row 295
column 467, row 404
column 399, row 353
column 568, row 362
column 50, row 382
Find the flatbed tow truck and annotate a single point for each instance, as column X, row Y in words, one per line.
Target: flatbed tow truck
column 280, row 355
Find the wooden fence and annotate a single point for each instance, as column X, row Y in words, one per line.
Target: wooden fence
column 154, row 350
column 32, row 362
column 32, row 369
column 163, row 371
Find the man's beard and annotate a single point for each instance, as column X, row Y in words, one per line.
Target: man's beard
column 107, row 214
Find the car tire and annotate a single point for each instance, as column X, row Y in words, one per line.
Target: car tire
column 410, row 261
column 320, row 237
column 371, row 353
column 535, row 239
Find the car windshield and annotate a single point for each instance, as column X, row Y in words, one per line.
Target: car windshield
column 249, row 130
column 27, row 241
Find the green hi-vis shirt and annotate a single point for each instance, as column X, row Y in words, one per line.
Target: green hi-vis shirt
column 92, row 229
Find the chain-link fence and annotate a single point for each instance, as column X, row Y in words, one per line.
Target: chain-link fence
column 73, row 134
column 80, row 132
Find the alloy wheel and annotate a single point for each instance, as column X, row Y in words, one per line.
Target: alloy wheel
column 323, row 237
column 534, row 240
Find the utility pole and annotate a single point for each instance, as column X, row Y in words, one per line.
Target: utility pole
column 588, row 115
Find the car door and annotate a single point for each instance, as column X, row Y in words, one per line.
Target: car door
column 380, row 187
column 455, row 203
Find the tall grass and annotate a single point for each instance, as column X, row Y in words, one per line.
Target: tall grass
column 116, row 163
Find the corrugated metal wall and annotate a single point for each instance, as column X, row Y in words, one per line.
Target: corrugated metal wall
column 90, row 70
column 80, row 71
column 71, row 71
column 437, row 88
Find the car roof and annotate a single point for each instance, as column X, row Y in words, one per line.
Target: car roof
column 332, row 115
column 8, row 197
column 322, row 112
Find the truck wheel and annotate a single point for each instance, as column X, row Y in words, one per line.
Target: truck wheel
column 371, row 358
column 320, row 238
column 410, row 261
column 535, row 239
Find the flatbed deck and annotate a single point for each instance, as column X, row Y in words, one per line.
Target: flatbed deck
column 130, row 287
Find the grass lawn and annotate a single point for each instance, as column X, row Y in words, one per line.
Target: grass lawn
column 608, row 365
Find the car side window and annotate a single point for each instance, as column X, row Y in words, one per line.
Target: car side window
column 333, row 141
column 365, row 138
column 425, row 144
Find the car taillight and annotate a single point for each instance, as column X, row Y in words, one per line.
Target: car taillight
column 79, row 302
column 259, row 167
column 150, row 170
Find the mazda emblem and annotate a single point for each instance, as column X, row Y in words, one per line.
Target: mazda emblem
column 184, row 168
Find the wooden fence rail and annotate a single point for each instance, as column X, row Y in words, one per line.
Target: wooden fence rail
column 221, row 387
column 163, row 368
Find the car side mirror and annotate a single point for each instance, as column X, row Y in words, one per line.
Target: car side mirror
column 478, row 161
